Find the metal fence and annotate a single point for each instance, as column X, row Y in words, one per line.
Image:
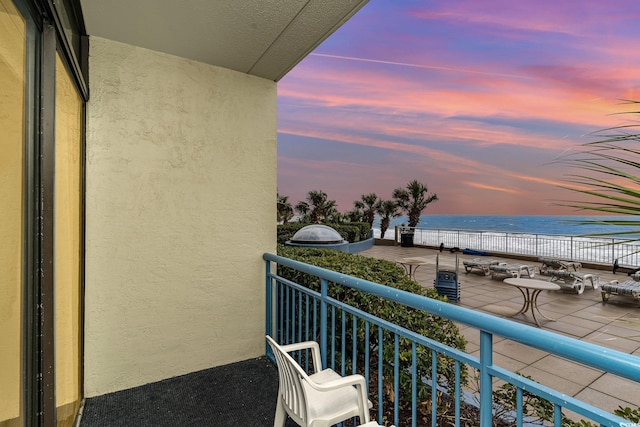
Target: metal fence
column 295, row 313
column 601, row 250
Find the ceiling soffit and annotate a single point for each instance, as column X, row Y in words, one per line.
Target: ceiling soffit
column 264, row 38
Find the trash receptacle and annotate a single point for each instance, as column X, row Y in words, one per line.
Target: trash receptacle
column 406, row 240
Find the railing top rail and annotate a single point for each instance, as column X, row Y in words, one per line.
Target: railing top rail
column 600, row 236
column 606, row 359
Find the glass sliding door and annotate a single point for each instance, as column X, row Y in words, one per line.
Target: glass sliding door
column 68, row 245
column 41, row 215
column 12, row 129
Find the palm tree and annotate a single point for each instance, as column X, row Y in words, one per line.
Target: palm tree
column 367, row 205
column 387, row 209
column 284, row 209
column 413, row 199
column 609, row 177
column 334, row 217
column 354, row 215
column 317, row 207
column 303, row 209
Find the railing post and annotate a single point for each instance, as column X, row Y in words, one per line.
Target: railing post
column 269, row 308
column 506, row 242
column 571, row 250
column 486, row 398
column 323, row 320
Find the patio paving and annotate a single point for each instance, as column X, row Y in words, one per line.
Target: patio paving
column 615, row 324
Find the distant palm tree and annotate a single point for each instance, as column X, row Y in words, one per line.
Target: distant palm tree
column 317, row 207
column 367, row 205
column 413, row 199
column 334, row 217
column 284, row 209
column 387, row 209
column 303, row 209
column 354, row 215
column 610, row 177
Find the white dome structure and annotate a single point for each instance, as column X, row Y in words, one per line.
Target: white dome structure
column 317, row 234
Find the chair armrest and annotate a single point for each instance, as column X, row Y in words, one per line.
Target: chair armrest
column 306, row 345
column 356, row 380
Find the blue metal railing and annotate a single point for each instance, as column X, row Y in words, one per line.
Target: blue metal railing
column 601, row 250
column 296, row 313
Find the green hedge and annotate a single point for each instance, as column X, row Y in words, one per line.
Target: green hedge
column 389, row 274
column 350, row 231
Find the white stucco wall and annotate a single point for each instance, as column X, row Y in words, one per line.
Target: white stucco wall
column 180, row 206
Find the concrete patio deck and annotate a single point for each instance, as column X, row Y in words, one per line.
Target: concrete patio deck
column 615, row 324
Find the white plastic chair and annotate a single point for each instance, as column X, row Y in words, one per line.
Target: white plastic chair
column 321, row 399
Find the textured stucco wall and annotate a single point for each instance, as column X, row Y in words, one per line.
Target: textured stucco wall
column 181, row 185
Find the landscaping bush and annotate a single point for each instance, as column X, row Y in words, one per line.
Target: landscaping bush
column 364, row 229
column 432, row 326
column 286, row 231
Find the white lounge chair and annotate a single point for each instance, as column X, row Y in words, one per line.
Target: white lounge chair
column 512, row 270
column 573, row 279
column 481, row 264
column 629, row 288
column 321, row 399
column 558, row 264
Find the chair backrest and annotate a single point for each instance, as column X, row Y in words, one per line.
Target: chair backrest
column 291, row 388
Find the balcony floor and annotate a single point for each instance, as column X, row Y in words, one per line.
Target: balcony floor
column 239, row 394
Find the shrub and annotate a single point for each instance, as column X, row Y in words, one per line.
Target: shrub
column 286, row 231
column 389, row 274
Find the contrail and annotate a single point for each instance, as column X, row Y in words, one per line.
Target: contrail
column 430, row 67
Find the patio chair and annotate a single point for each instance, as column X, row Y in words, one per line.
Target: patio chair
column 573, row 279
column 629, row 288
column 558, row 264
column 480, row 264
column 512, row 270
column 321, row 399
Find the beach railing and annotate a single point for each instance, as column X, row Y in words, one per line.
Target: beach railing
column 294, row 313
column 600, row 250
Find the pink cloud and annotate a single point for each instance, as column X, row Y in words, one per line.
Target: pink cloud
column 431, row 109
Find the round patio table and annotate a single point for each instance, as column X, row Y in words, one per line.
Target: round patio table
column 411, row 265
column 530, row 289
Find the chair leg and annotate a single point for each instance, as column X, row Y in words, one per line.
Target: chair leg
column 281, row 414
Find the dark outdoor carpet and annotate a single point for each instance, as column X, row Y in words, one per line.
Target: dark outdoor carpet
column 240, row 394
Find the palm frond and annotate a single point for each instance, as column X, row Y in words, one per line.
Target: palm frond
column 608, row 175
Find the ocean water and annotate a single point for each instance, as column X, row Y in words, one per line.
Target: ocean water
column 565, row 237
column 529, row 224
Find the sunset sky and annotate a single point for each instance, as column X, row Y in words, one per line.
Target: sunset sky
column 476, row 99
